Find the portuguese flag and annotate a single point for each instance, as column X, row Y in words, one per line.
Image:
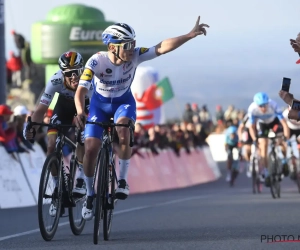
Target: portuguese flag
column 164, row 90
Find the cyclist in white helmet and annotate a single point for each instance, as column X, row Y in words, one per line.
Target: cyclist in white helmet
column 264, row 115
column 112, row 72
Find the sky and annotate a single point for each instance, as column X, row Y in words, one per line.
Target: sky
column 246, row 49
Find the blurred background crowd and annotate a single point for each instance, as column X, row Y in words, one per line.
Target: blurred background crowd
column 190, row 131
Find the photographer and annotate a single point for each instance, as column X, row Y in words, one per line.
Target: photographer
column 286, row 96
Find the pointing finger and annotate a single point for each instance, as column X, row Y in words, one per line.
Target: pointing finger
column 198, row 20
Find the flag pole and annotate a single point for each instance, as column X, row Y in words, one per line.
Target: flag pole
column 179, row 110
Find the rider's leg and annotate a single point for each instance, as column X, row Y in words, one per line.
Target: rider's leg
column 124, row 114
column 247, row 152
column 79, row 154
column 263, row 148
column 52, row 135
column 124, row 148
column 92, row 146
column 228, row 158
column 285, row 167
column 79, row 189
column 50, row 149
column 229, row 161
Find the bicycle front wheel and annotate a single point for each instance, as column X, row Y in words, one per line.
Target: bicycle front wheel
column 49, row 199
column 109, row 202
column 75, row 218
column 102, row 166
column 256, row 185
column 274, row 176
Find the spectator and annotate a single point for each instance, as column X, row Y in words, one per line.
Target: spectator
column 141, row 138
column 228, row 113
column 7, row 130
column 188, row 113
column 196, row 112
column 152, row 140
column 27, row 62
column 192, row 138
column 181, row 136
column 220, row 127
column 219, row 114
column 19, row 41
column 14, row 64
column 205, row 118
column 161, row 135
column 8, row 75
column 20, row 115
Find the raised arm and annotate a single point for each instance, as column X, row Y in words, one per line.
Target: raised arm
column 173, row 43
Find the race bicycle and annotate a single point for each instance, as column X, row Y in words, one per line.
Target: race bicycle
column 105, row 178
column 52, row 200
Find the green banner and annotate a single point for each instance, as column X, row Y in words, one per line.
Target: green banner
column 70, row 27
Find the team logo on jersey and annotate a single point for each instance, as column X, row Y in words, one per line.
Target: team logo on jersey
column 87, row 75
column 102, row 75
column 93, row 63
column 56, row 81
column 47, row 96
column 108, row 71
column 143, row 50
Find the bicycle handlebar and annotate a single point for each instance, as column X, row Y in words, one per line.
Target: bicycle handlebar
column 112, row 125
column 30, row 124
column 58, row 126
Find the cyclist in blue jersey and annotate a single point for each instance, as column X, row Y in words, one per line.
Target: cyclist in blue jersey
column 231, row 142
column 264, row 115
column 111, row 73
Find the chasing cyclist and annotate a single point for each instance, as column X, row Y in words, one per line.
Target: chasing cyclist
column 112, row 72
column 246, row 141
column 264, row 115
column 65, row 82
column 231, row 142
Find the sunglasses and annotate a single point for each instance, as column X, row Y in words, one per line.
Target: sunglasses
column 70, row 73
column 263, row 105
column 127, row 46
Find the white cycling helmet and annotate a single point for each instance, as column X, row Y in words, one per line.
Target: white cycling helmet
column 20, row 110
column 118, row 33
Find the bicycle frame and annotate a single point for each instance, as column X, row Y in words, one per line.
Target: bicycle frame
column 107, row 141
